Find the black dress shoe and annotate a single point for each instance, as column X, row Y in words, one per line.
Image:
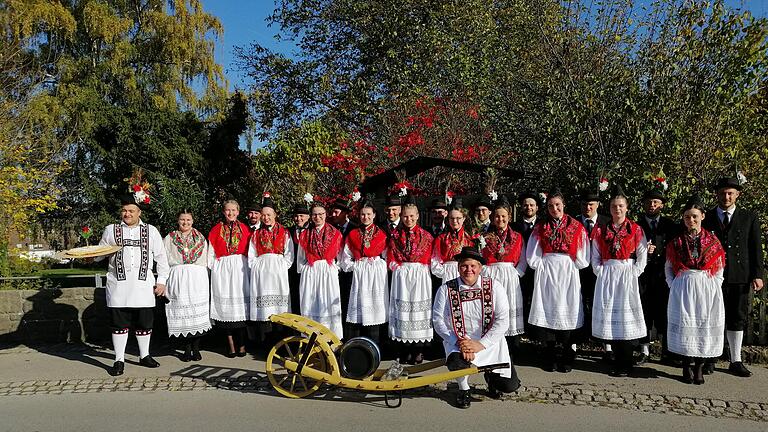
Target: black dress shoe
column 463, row 399
column 185, row 357
column 494, row 393
column 149, row 362
column 738, row 369
column 117, row 369
column 608, row 357
column 709, row 368
column 619, row 372
column 564, row 367
column 242, row 354
column 419, row 359
column 641, row 359
column 231, row 354
column 196, row 356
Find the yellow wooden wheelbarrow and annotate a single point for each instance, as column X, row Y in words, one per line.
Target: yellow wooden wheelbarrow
column 298, row 365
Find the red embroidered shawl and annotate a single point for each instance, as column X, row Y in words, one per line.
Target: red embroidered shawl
column 410, row 246
column 321, row 245
column 618, row 244
column 367, row 241
column 229, row 239
column 266, row 241
column 565, row 238
column 503, row 247
column 449, row 244
column 682, row 253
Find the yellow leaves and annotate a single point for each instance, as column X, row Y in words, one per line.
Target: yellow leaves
column 101, row 22
column 26, row 17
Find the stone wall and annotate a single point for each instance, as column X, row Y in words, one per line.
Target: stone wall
column 59, row 315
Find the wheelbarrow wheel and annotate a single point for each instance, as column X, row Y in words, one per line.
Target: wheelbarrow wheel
column 289, row 383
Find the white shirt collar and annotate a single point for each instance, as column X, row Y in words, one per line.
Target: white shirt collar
column 730, row 211
column 395, row 222
column 593, row 218
column 141, row 223
column 531, row 220
column 478, row 283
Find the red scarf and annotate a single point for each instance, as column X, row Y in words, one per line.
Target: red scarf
column 620, row 243
column 449, row 244
column 563, row 238
column 367, row 241
column 410, row 245
column 503, row 247
column 190, row 247
column 266, row 241
column 321, row 245
column 229, row 239
column 696, row 253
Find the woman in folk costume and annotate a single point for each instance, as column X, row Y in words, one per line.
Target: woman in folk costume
column 362, row 255
column 230, row 282
column 448, row 244
column 557, row 249
column 270, row 255
column 319, row 246
column 504, row 251
column 470, row 315
column 188, row 308
column 619, row 256
column 409, row 251
column 696, row 312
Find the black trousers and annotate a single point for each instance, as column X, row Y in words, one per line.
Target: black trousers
column 736, row 299
column 654, row 296
column 455, row 361
column 136, row 318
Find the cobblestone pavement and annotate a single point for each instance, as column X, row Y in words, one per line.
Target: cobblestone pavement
column 558, row 394
column 197, row 377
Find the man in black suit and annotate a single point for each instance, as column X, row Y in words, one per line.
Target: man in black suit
column 300, row 223
column 530, row 203
column 590, row 203
column 483, row 214
column 392, row 208
column 739, row 233
column 439, row 211
column 654, row 292
column 254, row 216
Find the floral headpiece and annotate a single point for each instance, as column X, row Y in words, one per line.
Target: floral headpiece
column 139, row 187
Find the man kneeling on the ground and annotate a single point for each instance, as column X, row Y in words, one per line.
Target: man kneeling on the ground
column 471, row 315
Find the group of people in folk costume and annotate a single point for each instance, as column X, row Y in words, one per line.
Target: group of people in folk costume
column 496, row 277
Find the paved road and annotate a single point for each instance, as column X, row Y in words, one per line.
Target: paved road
column 233, row 394
column 233, row 411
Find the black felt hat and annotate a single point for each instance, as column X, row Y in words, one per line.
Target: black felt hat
column 655, row 193
column 438, row 203
column 299, row 209
column 393, row 200
column 588, row 196
column 728, row 183
column 253, row 206
column 618, row 191
column 341, row 204
column 470, row 252
column 529, row 194
column 484, row 201
column 129, row 198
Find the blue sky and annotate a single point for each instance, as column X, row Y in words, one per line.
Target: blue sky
column 244, row 22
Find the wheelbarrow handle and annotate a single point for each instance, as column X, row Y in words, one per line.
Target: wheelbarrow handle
column 305, row 356
column 492, row 367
